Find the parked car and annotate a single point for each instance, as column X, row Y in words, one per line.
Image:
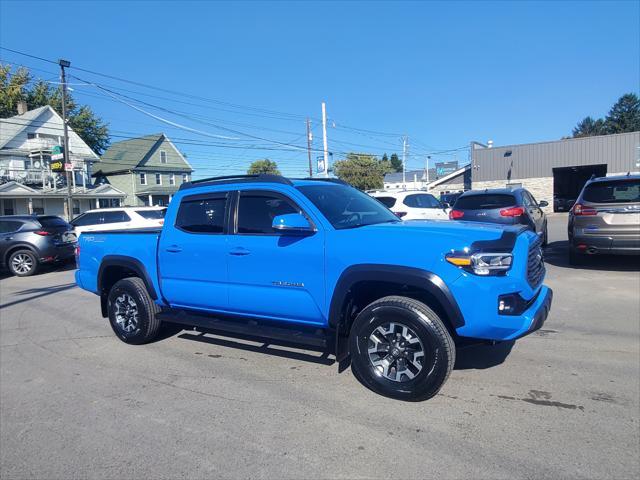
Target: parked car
column 118, row 218
column 505, row 206
column 563, row 204
column 308, row 262
column 28, row 241
column 412, row 204
column 606, row 218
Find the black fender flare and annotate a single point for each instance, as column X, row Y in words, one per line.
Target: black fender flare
column 409, row 276
column 19, row 246
column 129, row 263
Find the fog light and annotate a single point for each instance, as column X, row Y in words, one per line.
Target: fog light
column 510, row 304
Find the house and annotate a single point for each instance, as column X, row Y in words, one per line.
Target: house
column 148, row 169
column 29, row 181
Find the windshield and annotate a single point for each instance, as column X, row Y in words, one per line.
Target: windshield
column 346, row 207
column 614, row 191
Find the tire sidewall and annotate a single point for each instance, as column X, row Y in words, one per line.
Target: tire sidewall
column 139, row 335
column 23, row 252
column 435, row 367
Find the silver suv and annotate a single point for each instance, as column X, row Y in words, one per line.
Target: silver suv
column 606, row 218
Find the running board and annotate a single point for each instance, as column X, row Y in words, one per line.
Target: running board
column 312, row 336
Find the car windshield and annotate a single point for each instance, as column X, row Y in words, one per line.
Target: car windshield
column 487, row 201
column 613, row 191
column 152, row 214
column 347, row 207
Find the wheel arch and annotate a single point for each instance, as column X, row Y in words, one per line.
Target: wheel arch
column 20, row 246
column 116, row 267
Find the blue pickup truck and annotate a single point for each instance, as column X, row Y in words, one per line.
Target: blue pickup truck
column 317, row 262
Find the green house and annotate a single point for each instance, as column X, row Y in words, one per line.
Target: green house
column 148, row 169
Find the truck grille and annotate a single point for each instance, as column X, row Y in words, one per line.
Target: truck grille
column 535, row 264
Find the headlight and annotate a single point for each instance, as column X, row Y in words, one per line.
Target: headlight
column 481, row 263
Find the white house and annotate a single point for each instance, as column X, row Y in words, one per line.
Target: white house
column 28, row 184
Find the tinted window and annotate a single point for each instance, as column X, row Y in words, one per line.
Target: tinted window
column 387, row 201
column 117, row 216
column 485, row 202
column 202, row 215
column 257, row 211
column 8, row 226
column 421, row 200
column 86, row 219
column 615, row 191
column 47, row 222
column 346, row 207
column 152, row 214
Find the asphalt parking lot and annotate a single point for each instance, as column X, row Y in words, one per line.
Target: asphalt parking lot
column 77, row 403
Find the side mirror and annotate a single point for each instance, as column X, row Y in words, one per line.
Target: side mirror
column 543, row 203
column 292, row 224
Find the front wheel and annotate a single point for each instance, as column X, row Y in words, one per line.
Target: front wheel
column 132, row 312
column 401, row 349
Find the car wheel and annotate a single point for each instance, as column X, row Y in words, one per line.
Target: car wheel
column 23, row 263
column 401, row 349
column 132, row 312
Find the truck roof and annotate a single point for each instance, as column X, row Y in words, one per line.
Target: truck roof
column 260, row 178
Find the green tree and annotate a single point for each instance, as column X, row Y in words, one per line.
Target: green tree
column 263, row 166
column 396, row 163
column 362, row 170
column 20, row 86
column 624, row 116
column 589, row 127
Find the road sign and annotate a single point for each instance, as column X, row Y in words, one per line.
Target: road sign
column 68, row 167
column 57, row 153
column 57, row 166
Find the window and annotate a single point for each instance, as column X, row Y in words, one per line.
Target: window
column 52, row 221
column 9, row 206
column 37, row 206
column 202, row 214
column 346, row 207
column 155, row 214
column 185, row 178
column 613, row 191
column 158, row 179
column 92, row 218
column 143, row 179
column 76, row 207
column 9, row 226
column 387, row 201
column 163, row 156
column 108, row 202
column 485, row 202
column 422, row 200
column 116, row 216
column 256, row 212
column 172, row 179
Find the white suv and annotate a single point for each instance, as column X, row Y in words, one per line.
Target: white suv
column 412, row 204
column 118, row 219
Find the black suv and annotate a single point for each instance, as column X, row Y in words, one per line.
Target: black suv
column 27, row 241
column 502, row 205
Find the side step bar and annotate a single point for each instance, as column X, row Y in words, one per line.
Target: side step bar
column 252, row 328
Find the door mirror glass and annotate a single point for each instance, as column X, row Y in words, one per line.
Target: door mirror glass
column 543, row 203
column 292, row 223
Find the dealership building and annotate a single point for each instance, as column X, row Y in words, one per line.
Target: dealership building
column 554, row 171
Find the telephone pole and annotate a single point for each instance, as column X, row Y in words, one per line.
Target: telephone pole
column 405, row 139
column 309, row 147
column 324, row 139
column 67, row 159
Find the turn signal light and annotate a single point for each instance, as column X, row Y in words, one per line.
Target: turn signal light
column 456, row 214
column 581, row 210
column 512, row 212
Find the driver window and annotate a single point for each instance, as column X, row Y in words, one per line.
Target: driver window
column 256, row 211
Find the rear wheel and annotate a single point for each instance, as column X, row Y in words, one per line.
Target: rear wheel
column 23, row 263
column 132, row 312
column 401, row 349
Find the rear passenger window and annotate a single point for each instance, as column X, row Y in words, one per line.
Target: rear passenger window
column 119, row 216
column 421, row 200
column 257, row 211
column 9, row 226
column 86, row 219
column 387, row 201
column 201, row 215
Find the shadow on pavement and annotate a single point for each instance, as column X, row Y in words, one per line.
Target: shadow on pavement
column 557, row 254
column 37, row 293
column 482, row 356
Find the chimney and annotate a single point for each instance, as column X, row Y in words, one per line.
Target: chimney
column 22, row 107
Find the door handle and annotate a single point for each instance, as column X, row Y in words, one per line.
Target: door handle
column 239, row 251
column 173, row 249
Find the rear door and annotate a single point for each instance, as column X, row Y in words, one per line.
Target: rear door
column 115, row 220
column 425, row 206
column 7, row 230
column 193, row 253
column 535, row 212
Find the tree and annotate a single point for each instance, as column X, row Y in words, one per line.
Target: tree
column 20, row 85
column 263, row 166
column 362, row 170
column 589, row 127
column 624, row 116
column 396, row 163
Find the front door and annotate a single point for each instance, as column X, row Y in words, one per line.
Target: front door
column 193, row 254
column 271, row 274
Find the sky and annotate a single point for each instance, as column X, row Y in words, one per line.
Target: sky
column 240, row 78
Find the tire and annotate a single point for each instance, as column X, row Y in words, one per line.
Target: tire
column 132, row 312
column 23, row 263
column 383, row 320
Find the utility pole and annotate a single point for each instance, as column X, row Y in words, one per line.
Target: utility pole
column 67, row 159
column 324, row 139
column 405, row 139
column 309, row 147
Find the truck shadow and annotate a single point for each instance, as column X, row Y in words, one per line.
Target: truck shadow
column 482, row 356
column 557, row 254
column 259, row 345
